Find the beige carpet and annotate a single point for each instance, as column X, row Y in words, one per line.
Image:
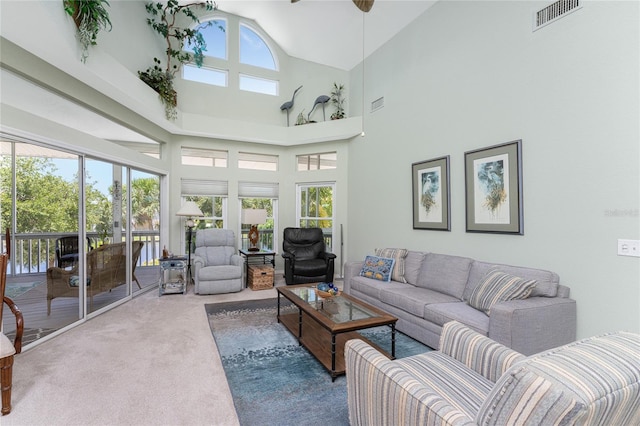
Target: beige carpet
column 151, row 361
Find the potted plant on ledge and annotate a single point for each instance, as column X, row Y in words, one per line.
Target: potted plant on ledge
column 90, row 16
column 338, row 101
column 163, row 20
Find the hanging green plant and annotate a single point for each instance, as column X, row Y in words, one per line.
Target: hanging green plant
column 163, row 20
column 90, row 17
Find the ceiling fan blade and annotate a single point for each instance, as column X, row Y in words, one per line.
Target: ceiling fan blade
column 295, row 1
column 363, row 5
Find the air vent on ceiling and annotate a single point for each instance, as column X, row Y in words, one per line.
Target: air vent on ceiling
column 555, row 11
column 377, row 104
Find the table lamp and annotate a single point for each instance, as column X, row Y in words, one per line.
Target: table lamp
column 254, row 217
column 190, row 210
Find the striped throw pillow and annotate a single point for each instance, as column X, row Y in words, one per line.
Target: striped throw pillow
column 497, row 286
column 398, row 255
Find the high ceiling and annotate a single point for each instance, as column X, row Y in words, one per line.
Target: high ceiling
column 328, row 32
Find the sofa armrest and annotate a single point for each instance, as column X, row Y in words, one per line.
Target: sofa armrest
column 198, row 261
column 237, row 260
column 351, row 269
column 535, row 324
column 379, row 392
column 479, row 353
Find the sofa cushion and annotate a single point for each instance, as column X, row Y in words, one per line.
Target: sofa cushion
column 498, row 286
column 442, row 313
column 398, row 255
column 6, row 346
column 520, row 394
column 600, row 375
column 412, row 299
column 377, row 268
column 372, row 287
column 547, row 285
column 222, row 272
column 460, row 386
column 444, row 273
column 412, row 266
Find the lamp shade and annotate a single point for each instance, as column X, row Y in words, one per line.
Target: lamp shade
column 190, row 209
column 254, row 216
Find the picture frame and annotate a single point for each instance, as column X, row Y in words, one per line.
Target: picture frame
column 431, row 194
column 493, row 189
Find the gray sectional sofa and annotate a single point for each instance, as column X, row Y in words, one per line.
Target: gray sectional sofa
column 438, row 288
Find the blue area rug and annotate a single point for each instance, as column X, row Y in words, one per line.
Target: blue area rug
column 13, row 291
column 273, row 380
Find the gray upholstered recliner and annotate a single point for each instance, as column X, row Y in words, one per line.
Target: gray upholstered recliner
column 217, row 266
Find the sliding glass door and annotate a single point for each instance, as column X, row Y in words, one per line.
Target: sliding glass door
column 84, row 234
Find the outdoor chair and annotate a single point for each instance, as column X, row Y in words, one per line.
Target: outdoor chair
column 106, row 270
column 305, row 257
column 67, row 251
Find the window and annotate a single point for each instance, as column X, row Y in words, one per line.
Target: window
column 254, row 64
column 260, row 195
column 324, row 161
column 257, row 161
column 315, row 208
column 204, row 157
column 205, row 75
column 212, row 208
column 258, row 85
column 211, row 198
column 214, row 33
column 254, row 50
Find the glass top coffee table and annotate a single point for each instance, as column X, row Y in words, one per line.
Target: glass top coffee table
column 323, row 325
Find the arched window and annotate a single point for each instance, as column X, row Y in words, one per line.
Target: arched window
column 254, row 50
column 251, row 67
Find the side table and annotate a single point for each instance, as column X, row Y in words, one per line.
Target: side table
column 173, row 275
column 257, row 258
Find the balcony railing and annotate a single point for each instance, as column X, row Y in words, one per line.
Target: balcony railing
column 265, row 239
column 34, row 253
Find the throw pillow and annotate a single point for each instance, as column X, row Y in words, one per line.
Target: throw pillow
column 378, row 268
column 497, row 286
column 398, row 255
column 74, row 280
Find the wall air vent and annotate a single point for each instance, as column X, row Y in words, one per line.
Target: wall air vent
column 377, row 104
column 555, row 11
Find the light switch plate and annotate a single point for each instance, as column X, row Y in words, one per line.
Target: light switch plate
column 629, row 248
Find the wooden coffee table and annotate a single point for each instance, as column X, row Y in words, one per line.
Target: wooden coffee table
column 323, row 325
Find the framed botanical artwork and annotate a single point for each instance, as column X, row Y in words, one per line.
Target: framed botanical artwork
column 431, row 197
column 493, row 186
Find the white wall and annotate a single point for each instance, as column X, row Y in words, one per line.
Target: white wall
column 467, row 75
column 287, row 177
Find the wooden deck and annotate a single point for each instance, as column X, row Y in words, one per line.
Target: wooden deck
column 32, row 301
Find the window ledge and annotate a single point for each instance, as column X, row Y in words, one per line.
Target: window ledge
column 325, row 131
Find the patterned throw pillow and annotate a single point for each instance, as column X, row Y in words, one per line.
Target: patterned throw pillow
column 74, row 280
column 378, row 268
column 398, row 255
column 496, row 286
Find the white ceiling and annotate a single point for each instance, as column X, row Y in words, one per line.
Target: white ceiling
column 328, row 32
column 322, row 31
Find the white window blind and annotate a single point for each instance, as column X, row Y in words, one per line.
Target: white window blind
column 204, row 187
column 258, row 189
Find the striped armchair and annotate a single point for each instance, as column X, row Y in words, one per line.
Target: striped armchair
column 473, row 380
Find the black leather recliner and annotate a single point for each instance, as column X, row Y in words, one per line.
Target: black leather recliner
column 305, row 258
